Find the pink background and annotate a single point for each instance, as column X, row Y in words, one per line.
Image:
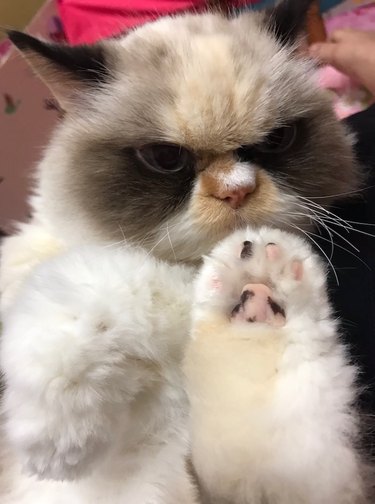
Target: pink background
column 25, row 132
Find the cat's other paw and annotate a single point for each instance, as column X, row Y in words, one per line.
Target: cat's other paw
column 85, row 336
column 263, row 275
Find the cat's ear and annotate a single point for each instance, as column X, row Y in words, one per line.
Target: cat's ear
column 288, row 19
column 67, row 71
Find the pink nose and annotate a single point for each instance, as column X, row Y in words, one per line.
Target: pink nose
column 235, row 197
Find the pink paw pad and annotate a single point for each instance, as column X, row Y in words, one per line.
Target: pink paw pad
column 216, row 283
column 273, row 252
column 257, row 305
column 297, row 270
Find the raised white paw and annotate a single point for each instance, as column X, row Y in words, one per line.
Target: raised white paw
column 87, row 334
column 265, row 275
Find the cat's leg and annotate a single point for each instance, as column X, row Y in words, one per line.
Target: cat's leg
column 270, row 385
column 89, row 333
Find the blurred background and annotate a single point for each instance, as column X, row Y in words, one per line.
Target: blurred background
column 18, row 13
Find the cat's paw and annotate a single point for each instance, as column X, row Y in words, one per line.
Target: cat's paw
column 257, row 304
column 68, row 365
column 86, row 335
column 264, row 275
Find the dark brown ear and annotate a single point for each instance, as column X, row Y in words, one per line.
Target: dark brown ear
column 66, row 70
column 288, row 19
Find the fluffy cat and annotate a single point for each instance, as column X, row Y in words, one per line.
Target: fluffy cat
column 271, row 389
column 174, row 135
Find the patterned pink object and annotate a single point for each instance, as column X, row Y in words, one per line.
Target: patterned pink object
column 86, row 21
column 361, row 18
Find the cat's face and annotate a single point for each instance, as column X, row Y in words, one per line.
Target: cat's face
column 186, row 129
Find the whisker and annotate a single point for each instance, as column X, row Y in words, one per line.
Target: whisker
column 342, row 194
column 346, row 250
column 122, row 232
column 362, row 223
column 300, row 214
column 326, row 217
column 352, row 228
column 343, row 238
column 114, row 244
column 320, row 209
column 320, row 248
column 328, row 229
column 360, row 231
column 347, row 225
column 322, row 222
column 151, row 233
column 170, row 242
column 149, row 252
column 340, row 246
column 148, row 239
column 169, row 226
column 316, row 220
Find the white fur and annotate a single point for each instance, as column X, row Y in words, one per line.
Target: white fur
column 91, row 351
column 271, row 408
column 241, row 175
column 20, row 254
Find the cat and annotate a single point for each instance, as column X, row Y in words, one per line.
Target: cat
column 271, row 387
column 173, row 136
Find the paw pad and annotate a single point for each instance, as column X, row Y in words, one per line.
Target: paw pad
column 297, row 270
column 273, row 252
column 247, row 250
column 257, row 305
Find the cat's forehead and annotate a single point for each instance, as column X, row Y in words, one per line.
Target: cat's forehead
column 209, row 82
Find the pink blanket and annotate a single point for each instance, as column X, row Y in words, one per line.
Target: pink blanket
column 86, row 21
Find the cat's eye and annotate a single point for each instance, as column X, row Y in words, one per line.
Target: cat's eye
column 279, row 140
column 166, row 158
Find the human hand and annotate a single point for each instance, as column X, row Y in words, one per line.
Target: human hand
column 352, row 52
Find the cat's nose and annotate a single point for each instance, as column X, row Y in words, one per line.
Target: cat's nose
column 235, row 197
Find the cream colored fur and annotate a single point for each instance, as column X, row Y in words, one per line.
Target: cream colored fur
column 272, row 416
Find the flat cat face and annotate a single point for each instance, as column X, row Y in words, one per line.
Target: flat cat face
column 188, row 128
